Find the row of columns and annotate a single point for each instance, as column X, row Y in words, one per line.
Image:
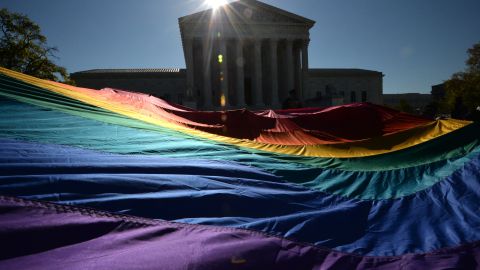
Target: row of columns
column 301, row 56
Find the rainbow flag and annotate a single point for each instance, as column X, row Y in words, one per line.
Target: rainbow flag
column 110, row 179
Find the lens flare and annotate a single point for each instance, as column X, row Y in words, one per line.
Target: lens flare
column 223, row 100
column 215, row 3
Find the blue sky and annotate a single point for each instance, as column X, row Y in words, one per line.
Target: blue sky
column 415, row 43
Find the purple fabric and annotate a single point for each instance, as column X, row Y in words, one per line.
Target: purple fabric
column 38, row 235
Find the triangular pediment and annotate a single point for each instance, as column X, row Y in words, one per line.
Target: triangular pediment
column 248, row 12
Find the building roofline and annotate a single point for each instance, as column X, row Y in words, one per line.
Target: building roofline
column 355, row 71
column 333, row 71
column 254, row 2
column 130, row 70
column 409, row 93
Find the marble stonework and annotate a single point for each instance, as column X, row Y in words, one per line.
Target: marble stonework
column 263, row 51
column 246, row 54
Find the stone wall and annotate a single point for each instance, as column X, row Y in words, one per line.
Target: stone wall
column 167, row 85
column 342, row 86
column 325, row 87
column 417, row 101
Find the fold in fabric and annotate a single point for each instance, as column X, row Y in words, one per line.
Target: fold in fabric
column 355, row 186
column 310, row 126
column 47, row 236
column 148, row 109
column 350, row 178
column 229, row 194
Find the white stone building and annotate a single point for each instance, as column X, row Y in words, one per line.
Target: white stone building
column 244, row 54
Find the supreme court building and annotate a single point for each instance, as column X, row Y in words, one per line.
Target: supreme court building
column 246, row 54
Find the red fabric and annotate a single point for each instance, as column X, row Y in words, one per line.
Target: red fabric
column 287, row 127
column 305, row 126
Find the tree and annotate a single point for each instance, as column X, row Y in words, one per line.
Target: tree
column 473, row 61
column 463, row 89
column 23, row 48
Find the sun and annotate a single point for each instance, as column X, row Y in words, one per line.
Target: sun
column 215, row 3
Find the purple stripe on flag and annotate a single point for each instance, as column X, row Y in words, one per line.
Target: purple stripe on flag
column 38, row 235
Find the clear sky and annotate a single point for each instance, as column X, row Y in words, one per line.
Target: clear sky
column 415, row 43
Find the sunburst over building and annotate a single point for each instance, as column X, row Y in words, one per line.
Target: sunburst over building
column 245, row 54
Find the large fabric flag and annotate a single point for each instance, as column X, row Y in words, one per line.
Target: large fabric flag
column 110, row 179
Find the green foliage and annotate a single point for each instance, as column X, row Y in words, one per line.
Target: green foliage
column 463, row 89
column 23, row 48
column 473, row 61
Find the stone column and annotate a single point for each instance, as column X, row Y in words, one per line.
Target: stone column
column 289, row 65
column 240, row 75
column 305, row 68
column 190, row 68
column 257, row 75
column 297, row 69
column 207, row 83
column 274, row 72
column 223, row 62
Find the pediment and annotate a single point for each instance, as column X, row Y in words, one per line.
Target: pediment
column 248, row 12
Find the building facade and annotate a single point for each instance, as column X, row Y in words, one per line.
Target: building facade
column 169, row 84
column 328, row 86
column 418, row 102
column 246, row 54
